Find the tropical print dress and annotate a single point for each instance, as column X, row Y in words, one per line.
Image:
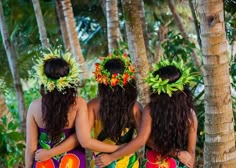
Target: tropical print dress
column 71, row 159
column 153, row 161
column 129, row 161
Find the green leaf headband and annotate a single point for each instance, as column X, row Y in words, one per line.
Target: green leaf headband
column 158, row 85
column 121, row 79
column 71, row 80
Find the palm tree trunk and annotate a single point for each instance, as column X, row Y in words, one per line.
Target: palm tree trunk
column 72, row 34
column 219, row 146
column 41, row 25
column 183, row 33
column 61, row 20
column 112, row 24
column 144, row 27
column 136, row 46
column 11, row 56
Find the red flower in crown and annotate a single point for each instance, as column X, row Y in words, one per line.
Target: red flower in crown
column 131, row 68
column 125, row 55
column 105, row 80
column 114, row 81
column 125, row 76
column 121, row 79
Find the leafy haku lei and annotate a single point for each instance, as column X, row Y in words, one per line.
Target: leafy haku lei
column 121, row 79
column 158, row 85
column 68, row 81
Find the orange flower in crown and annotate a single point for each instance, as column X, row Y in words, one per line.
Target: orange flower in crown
column 120, row 79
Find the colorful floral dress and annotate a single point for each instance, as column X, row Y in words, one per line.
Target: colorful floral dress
column 153, row 161
column 72, row 159
column 129, row 161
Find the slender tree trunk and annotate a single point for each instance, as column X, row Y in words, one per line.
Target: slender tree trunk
column 72, row 34
column 61, row 19
column 41, row 25
column 196, row 25
column 11, row 56
column 219, row 146
column 144, row 28
column 183, row 33
column 112, row 24
column 136, row 46
column 163, row 30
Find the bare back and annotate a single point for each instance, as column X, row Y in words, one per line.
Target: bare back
column 37, row 113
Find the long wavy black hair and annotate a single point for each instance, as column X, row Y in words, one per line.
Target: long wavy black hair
column 56, row 104
column 171, row 116
column 116, row 105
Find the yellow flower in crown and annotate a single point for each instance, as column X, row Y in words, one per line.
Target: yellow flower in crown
column 121, row 79
column 68, row 81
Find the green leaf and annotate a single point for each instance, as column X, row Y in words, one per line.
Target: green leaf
column 17, row 136
column 44, row 145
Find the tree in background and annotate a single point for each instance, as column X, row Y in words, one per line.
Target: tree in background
column 11, row 56
column 113, row 31
column 41, row 25
column 180, row 25
column 61, row 20
column 72, row 34
column 219, row 146
column 136, row 46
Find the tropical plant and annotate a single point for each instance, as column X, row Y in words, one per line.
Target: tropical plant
column 11, row 143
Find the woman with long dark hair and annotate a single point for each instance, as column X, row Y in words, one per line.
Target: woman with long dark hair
column 173, row 121
column 52, row 118
column 115, row 114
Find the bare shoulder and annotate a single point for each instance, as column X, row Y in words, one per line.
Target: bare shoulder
column 147, row 109
column 80, row 100
column 138, row 108
column 35, row 105
column 94, row 104
column 94, row 101
column 80, row 103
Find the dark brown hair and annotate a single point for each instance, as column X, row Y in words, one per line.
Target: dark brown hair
column 116, row 105
column 56, row 104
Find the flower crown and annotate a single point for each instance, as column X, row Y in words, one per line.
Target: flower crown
column 158, row 85
column 70, row 80
column 121, row 79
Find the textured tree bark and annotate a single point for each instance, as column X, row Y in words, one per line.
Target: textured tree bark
column 145, row 32
column 112, row 24
column 73, row 36
column 136, row 46
column 219, row 146
column 61, row 20
column 11, row 56
column 41, row 25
